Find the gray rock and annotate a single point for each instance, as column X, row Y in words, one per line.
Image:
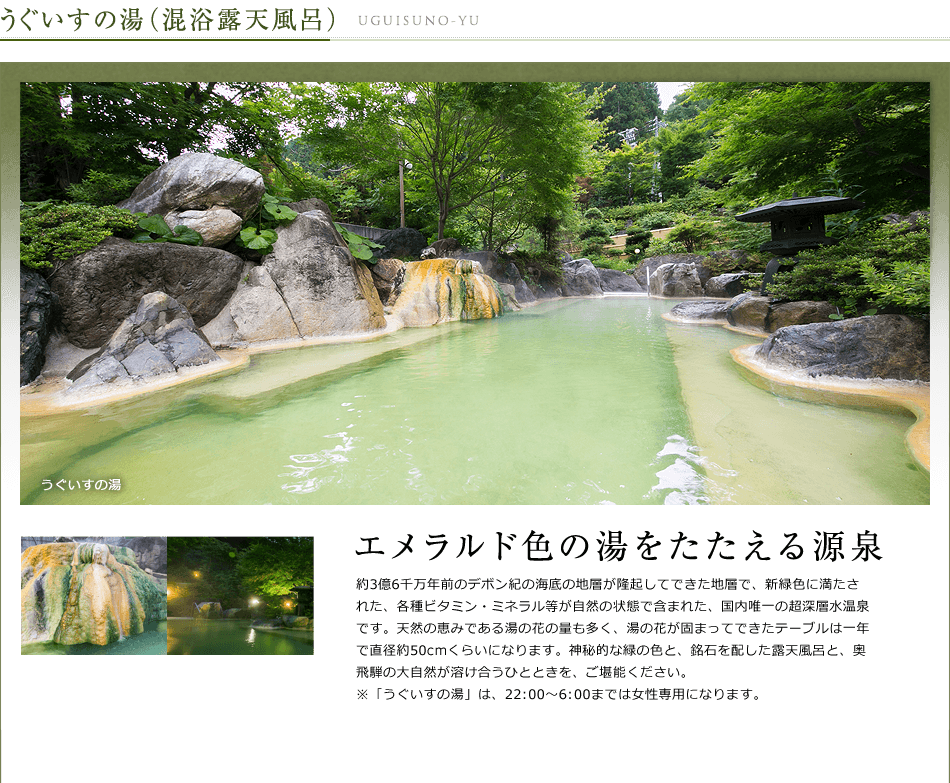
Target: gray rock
column 650, row 265
column 159, row 338
column 729, row 285
column 99, row 288
column 615, row 280
column 197, row 181
column 150, row 551
column 875, row 346
column 326, row 290
column 146, row 360
column 523, row 292
column 676, row 280
column 401, row 243
column 442, row 248
column 580, row 278
column 803, row 312
column 260, row 314
column 36, row 315
column 749, row 311
column 105, row 370
column 216, row 226
column 700, row 311
column 388, row 276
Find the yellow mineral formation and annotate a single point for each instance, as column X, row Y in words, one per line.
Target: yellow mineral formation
column 73, row 593
column 437, row 290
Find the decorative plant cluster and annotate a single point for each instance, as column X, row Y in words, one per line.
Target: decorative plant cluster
column 155, row 229
column 258, row 232
column 361, row 247
column 52, row 231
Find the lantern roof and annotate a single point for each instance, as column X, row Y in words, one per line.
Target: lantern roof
column 815, row 205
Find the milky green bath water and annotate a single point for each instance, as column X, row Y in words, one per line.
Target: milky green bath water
column 577, row 401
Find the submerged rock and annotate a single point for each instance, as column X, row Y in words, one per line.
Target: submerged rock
column 701, row 310
column 438, row 290
column 74, row 593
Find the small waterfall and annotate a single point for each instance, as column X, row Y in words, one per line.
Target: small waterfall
column 118, row 619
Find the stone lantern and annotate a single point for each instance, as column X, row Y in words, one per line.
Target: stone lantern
column 797, row 224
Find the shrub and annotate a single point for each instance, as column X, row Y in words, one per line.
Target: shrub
column 537, row 266
column 101, row 188
column 884, row 268
column 637, row 238
column 595, row 229
column 694, row 234
column 664, row 247
column 51, row 232
column 593, row 214
column 258, row 232
column 655, row 220
column 593, row 247
column 905, row 287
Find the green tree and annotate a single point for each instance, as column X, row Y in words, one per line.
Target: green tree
column 624, row 105
column 272, row 567
column 126, row 129
column 627, row 176
column 464, row 141
column 678, row 146
column 685, row 106
column 773, row 139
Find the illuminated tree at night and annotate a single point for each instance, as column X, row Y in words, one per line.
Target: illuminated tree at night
column 238, row 572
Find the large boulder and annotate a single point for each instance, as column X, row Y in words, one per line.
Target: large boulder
column 752, row 312
column 580, row 278
column 401, row 243
column 615, row 280
column 99, row 288
column 159, row 338
column 676, row 280
column 646, row 268
column 36, row 310
column 441, row 248
column 326, row 290
column 749, row 311
column 150, row 552
column 388, row 275
column 874, row 346
column 217, row 226
column 729, row 285
column 204, row 192
column 85, row 593
column 803, row 312
column 256, row 313
column 701, row 310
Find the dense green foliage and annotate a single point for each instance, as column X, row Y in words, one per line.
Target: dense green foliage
column 773, row 139
column 258, row 231
column 474, row 148
column 53, row 232
column 882, row 268
column 232, row 570
column 361, row 247
column 623, row 105
column 78, row 133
